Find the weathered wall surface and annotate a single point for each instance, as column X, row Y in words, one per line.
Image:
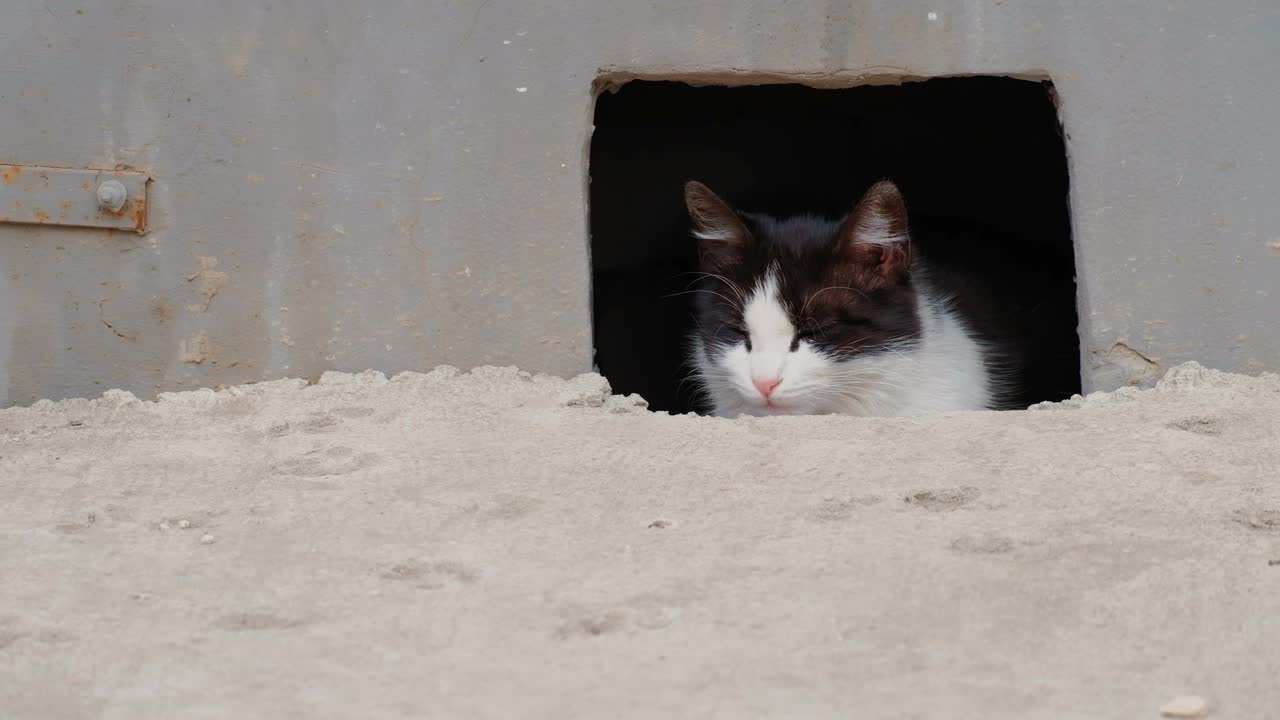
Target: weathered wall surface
column 400, row 184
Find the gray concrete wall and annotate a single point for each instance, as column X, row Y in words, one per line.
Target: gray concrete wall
column 396, row 184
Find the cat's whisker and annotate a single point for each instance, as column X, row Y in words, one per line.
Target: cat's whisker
column 701, row 290
column 737, row 289
column 833, row 287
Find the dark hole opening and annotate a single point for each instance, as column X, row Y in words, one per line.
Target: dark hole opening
column 980, row 161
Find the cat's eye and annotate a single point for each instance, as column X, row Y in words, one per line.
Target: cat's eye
column 849, row 318
column 807, row 335
column 740, row 334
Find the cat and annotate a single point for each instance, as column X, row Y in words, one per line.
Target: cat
column 810, row 316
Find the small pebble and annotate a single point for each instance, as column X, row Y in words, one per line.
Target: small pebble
column 184, row 524
column 165, row 526
column 1185, row 706
column 207, row 539
column 661, row 524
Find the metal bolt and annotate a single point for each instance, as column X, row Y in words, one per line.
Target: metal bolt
column 112, row 195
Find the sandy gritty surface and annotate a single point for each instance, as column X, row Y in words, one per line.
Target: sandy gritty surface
column 491, row 545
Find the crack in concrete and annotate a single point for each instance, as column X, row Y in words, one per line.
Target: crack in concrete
column 112, row 328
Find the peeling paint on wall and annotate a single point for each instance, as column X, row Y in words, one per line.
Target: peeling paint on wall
column 208, row 282
column 195, row 350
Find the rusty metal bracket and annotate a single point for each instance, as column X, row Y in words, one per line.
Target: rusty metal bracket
column 72, row 197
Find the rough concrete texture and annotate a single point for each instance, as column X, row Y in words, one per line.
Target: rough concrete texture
column 498, row 545
column 397, row 184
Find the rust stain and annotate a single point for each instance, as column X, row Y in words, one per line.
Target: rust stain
column 10, row 173
column 162, row 311
column 139, row 216
column 41, row 216
column 66, row 205
column 86, row 185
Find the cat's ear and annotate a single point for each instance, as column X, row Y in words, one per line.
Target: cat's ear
column 714, row 223
column 875, row 234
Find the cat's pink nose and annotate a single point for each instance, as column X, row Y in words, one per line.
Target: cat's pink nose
column 766, row 385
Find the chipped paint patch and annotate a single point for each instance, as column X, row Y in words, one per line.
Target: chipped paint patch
column 195, row 349
column 1121, row 365
column 209, row 282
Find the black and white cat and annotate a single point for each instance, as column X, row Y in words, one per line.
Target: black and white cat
column 805, row 315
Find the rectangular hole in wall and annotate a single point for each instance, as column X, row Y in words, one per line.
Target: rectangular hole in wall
column 980, row 161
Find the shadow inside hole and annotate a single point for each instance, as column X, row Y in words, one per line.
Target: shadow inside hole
column 981, row 163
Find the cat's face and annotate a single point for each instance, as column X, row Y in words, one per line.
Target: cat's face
column 793, row 314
